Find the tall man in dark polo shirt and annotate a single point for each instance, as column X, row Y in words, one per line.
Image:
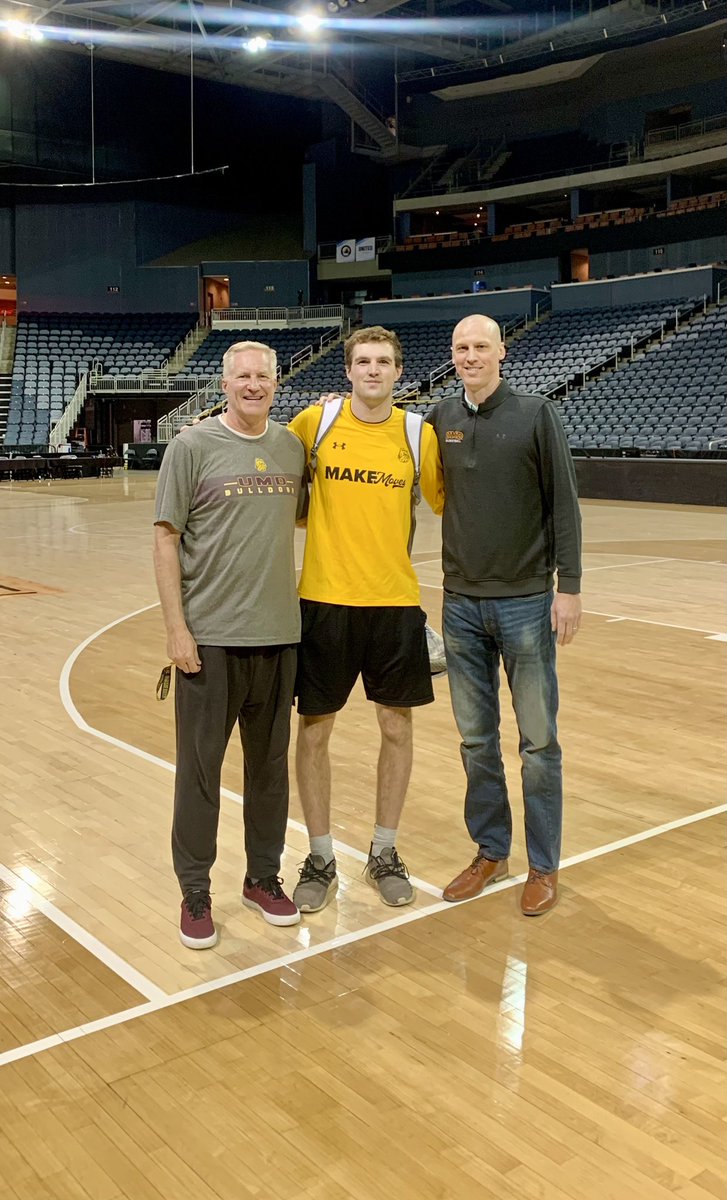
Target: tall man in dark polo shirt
column 511, row 520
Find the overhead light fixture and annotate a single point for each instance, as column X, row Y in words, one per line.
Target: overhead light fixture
column 255, row 44
column 310, row 21
column 23, row 30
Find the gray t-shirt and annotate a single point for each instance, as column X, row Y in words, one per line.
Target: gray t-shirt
column 235, row 501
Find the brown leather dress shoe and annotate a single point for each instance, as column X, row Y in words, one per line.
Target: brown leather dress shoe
column 540, row 893
column 475, row 878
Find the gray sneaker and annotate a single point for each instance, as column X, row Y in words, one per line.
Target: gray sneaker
column 318, row 883
column 387, row 873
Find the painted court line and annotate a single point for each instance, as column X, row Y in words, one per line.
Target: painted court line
column 100, row 951
column 646, row 621
column 67, row 702
column 644, row 562
column 347, row 939
column 595, row 612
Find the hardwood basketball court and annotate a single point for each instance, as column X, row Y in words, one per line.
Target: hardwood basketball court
column 435, row 1052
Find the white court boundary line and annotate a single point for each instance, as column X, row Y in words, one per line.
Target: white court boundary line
column 74, row 714
column 107, row 956
column 94, row 945
column 646, row 621
column 646, row 562
column 595, row 612
column 346, row 939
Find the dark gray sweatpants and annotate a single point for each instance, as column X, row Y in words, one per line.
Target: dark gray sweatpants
column 252, row 686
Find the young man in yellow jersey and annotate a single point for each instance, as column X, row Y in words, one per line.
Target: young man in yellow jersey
column 360, row 606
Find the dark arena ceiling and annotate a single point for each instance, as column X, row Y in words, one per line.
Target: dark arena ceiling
column 306, row 49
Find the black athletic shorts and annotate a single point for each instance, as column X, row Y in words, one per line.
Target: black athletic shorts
column 339, row 642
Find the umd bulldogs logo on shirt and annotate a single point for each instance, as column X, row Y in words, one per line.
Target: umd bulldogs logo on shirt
column 404, row 455
column 454, row 435
column 260, row 485
column 260, row 464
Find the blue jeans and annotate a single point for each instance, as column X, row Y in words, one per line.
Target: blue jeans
column 477, row 634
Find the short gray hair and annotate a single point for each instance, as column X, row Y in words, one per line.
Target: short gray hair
column 238, row 347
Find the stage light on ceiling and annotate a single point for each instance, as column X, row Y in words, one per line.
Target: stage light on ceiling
column 310, row 21
column 23, row 30
column 255, row 44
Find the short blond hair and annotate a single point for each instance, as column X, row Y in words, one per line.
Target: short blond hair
column 374, row 333
column 239, row 347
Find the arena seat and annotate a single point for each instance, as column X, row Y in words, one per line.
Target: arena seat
column 673, row 397
column 52, row 349
column 207, row 360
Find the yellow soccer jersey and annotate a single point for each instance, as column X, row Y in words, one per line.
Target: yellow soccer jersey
column 360, row 510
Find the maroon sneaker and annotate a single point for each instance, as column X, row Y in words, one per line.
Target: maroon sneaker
column 268, row 897
column 196, row 927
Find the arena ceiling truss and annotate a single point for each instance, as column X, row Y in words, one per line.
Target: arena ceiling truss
column 335, row 50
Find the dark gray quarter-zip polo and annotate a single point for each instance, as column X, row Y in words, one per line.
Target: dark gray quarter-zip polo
column 511, row 517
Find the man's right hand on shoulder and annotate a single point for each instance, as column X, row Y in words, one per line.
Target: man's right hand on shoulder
column 324, row 399
column 182, row 649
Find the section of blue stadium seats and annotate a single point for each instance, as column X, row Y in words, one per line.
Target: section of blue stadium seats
column 673, row 395
column 51, row 350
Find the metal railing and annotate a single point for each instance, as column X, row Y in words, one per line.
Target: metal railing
column 152, row 380
column 542, row 307
column 409, row 391
column 60, row 431
column 365, row 97
column 689, row 129
column 439, row 372
column 560, row 386
column 602, row 26
column 587, row 371
column 187, row 346
column 307, row 353
column 512, row 326
column 333, row 335
column 300, row 357
column 169, row 424
column 332, row 313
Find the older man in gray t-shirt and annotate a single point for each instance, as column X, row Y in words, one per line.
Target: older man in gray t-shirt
column 228, row 496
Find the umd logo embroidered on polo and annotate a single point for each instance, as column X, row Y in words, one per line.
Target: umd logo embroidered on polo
column 454, row 435
column 260, row 464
